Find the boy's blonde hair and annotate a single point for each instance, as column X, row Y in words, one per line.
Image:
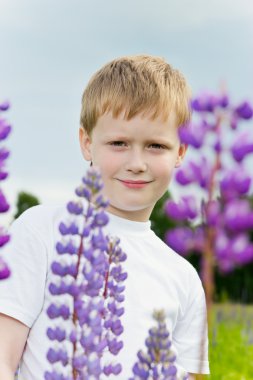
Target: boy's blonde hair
column 140, row 84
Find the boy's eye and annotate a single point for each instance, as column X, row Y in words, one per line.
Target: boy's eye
column 157, row 146
column 117, row 143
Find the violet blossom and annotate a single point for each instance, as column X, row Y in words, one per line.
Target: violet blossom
column 185, row 239
column 158, row 361
column 185, row 209
column 89, row 271
column 194, row 134
column 242, row 147
column 244, row 110
column 5, row 130
column 232, row 251
column 234, row 183
column 225, row 216
column 195, row 173
column 208, row 102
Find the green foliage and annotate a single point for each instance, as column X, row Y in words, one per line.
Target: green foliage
column 25, row 201
column 236, row 286
column 160, row 222
column 231, row 343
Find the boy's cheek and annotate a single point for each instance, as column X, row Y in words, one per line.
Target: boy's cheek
column 106, row 161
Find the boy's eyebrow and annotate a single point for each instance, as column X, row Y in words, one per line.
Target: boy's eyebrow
column 115, row 136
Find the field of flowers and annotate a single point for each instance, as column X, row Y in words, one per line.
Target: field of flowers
column 222, row 236
column 231, row 342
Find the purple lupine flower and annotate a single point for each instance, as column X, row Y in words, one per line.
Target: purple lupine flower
column 208, row 102
column 193, row 134
column 199, row 239
column 233, row 122
column 4, row 205
column 158, row 362
column 212, row 210
column 4, row 106
column 4, row 153
column 75, row 208
column 244, row 111
column 5, row 130
column 222, row 250
column 232, row 251
column 89, row 270
column 114, row 296
column 113, row 369
column 242, row 249
column 205, row 103
column 242, row 146
column 184, row 240
column 185, row 209
column 57, row 333
column 235, row 183
column 180, row 239
column 198, row 173
column 225, row 214
column 4, row 237
column 223, row 101
column 4, row 270
column 238, row 215
column 217, row 146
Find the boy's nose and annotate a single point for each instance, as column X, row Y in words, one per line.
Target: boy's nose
column 136, row 162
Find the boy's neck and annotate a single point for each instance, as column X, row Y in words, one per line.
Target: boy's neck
column 135, row 216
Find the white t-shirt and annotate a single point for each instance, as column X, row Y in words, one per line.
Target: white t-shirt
column 158, row 278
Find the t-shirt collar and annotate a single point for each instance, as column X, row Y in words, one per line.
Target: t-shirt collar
column 118, row 223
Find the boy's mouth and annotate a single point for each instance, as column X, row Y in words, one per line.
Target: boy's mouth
column 134, row 184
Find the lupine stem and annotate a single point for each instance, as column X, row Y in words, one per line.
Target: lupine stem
column 74, row 317
column 208, row 252
column 107, row 273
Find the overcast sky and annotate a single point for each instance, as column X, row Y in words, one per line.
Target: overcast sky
column 49, row 49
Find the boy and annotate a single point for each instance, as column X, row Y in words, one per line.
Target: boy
column 131, row 110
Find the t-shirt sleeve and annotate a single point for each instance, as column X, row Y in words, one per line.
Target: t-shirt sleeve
column 190, row 334
column 22, row 294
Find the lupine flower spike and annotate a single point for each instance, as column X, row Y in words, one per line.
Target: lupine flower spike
column 5, row 130
column 89, row 277
column 225, row 213
column 224, row 216
column 158, row 361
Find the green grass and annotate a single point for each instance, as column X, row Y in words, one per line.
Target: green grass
column 231, row 343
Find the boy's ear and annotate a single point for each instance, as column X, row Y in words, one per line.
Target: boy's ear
column 181, row 153
column 85, row 144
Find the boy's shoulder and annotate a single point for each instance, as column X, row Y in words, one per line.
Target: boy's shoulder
column 41, row 212
column 39, row 219
column 169, row 258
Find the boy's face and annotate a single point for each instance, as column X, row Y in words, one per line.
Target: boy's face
column 136, row 159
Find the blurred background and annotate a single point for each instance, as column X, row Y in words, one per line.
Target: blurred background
column 49, row 49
